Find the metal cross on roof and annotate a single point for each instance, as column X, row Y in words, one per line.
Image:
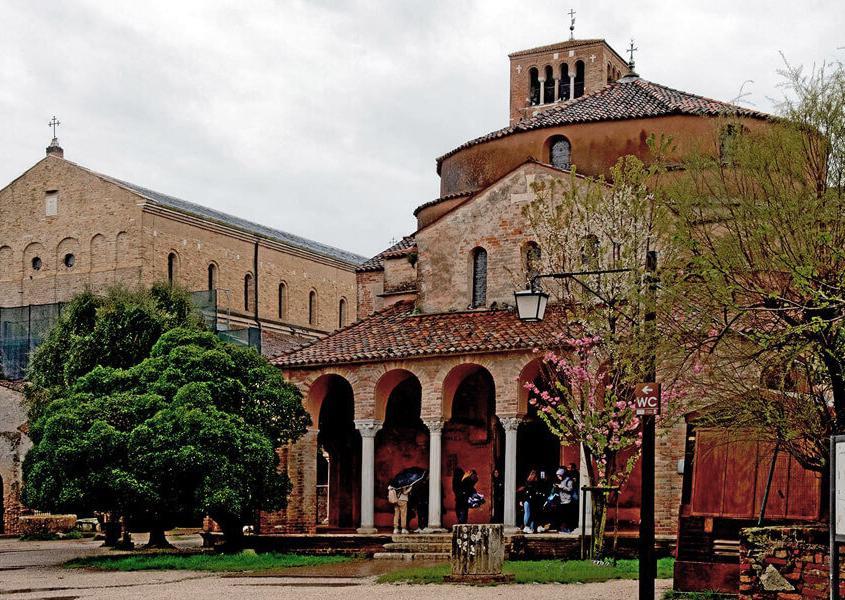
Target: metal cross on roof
column 631, row 50
column 54, row 122
column 571, row 24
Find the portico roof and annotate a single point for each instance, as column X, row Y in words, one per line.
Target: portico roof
column 398, row 332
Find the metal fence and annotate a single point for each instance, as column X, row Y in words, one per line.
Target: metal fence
column 23, row 328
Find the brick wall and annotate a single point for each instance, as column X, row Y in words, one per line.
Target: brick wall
column 114, row 239
column 784, row 563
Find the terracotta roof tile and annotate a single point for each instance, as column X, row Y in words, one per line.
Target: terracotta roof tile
column 558, row 46
column 629, row 98
column 405, row 245
column 397, row 332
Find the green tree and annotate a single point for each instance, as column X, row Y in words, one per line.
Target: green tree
column 198, row 435
column 762, row 225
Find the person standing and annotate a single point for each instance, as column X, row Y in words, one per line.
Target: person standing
column 399, row 498
column 461, row 497
column 528, row 498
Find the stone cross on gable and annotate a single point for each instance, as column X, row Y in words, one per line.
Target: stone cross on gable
column 54, row 122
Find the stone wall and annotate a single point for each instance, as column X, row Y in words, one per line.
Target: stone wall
column 784, row 563
column 13, row 447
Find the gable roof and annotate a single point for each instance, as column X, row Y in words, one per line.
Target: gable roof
column 209, row 214
column 376, row 263
column 566, row 45
column 397, row 332
column 629, row 98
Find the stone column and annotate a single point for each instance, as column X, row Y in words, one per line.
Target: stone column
column 558, row 96
column 368, row 429
column 572, row 84
column 510, row 424
column 586, row 498
column 542, row 90
column 435, row 480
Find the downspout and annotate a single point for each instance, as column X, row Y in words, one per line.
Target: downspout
column 255, row 280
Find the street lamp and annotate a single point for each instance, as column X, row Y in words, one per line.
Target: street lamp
column 531, row 304
column 531, row 307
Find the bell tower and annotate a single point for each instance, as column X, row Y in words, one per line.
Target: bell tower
column 543, row 77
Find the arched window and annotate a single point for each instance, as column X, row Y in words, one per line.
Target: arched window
column 549, row 86
column 212, row 277
column 249, row 293
column 341, row 313
column 534, row 90
column 312, row 307
column 283, row 300
column 560, row 152
column 579, row 78
column 479, row 277
column 564, row 81
column 609, row 74
column 172, row 268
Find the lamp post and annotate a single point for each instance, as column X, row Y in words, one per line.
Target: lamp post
column 531, row 307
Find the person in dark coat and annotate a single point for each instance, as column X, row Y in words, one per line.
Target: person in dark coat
column 528, row 496
column 461, row 498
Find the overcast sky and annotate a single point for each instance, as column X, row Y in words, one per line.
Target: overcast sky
column 324, row 118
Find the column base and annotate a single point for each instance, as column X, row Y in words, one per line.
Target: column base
column 434, row 530
column 511, row 530
column 366, row 530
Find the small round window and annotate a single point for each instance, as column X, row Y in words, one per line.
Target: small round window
column 36, row 263
column 70, row 260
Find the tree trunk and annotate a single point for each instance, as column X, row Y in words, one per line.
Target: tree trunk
column 158, row 539
column 111, row 530
column 233, row 535
column 837, row 385
column 599, row 524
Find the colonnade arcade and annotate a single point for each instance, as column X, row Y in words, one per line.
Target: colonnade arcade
column 373, row 420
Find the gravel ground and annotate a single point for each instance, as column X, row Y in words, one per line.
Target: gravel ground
column 32, row 571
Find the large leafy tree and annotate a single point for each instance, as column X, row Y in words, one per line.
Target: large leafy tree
column 190, row 430
column 763, row 309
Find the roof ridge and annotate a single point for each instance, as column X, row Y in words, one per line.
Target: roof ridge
column 229, row 220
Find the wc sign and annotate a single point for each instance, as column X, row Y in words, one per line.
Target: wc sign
column 647, row 396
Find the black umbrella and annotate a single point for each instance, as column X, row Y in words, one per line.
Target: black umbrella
column 407, row 477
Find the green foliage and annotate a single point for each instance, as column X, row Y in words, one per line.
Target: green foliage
column 540, row 571
column 245, row 561
column 761, row 312
column 174, row 425
column 116, row 330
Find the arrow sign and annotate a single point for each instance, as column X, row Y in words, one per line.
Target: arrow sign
column 647, row 396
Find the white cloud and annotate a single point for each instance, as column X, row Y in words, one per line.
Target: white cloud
column 324, row 118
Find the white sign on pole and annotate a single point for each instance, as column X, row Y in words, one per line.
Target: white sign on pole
column 839, row 487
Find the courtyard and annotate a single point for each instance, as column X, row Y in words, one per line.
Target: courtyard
column 35, row 570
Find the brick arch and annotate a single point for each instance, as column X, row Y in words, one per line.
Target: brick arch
column 385, row 385
column 31, row 251
column 317, row 391
column 98, row 253
column 453, row 380
column 69, row 245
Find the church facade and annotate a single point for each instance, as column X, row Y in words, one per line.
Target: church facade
column 433, row 374
column 65, row 228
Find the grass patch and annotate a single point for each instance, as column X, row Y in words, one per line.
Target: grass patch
column 540, row 571
column 244, row 561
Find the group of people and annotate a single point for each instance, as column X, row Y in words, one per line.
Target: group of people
column 550, row 504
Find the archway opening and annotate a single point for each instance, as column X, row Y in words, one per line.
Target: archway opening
column 402, row 442
column 472, row 439
column 338, row 457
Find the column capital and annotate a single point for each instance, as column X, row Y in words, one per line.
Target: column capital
column 368, row 427
column 433, row 425
column 510, row 423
